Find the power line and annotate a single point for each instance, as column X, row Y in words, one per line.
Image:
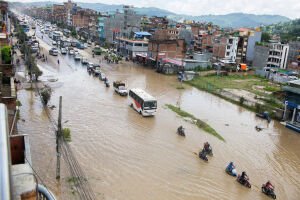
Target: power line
column 81, row 183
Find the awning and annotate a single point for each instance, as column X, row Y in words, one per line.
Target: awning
column 291, row 89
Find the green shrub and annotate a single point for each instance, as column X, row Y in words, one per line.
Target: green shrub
column 6, row 54
column 270, row 89
column 242, row 100
column 67, row 134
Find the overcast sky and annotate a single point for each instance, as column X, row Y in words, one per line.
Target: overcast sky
column 288, row 8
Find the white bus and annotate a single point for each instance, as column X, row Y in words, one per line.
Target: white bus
column 142, row 102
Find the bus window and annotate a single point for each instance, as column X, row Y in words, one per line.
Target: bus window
column 150, row 105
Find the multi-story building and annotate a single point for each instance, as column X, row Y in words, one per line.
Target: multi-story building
column 59, row 13
column 270, row 55
column 160, row 49
column 126, row 23
column 225, row 48
column 246, row 43
column 80, row 18
column 131, row 48
column 278, row 54
column 3, row 16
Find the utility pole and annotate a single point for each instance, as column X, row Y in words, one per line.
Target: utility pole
column 58, row 138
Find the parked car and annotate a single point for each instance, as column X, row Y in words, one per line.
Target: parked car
column 90, row 65
column 54, row 43
column 102, row 76
column 53, row 52
column 77, row 57
column 97, row 70
column 63, row 51
column 71, row 52
column 84, row 60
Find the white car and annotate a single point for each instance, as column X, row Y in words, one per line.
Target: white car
column 71, row 52
column 77, row 57
column 90, row 65
column 53, row 43
column 102, row 76
column 85, row 45
column 63, row 51
column 84, row 60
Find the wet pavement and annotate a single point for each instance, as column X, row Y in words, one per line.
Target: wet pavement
column 127, row 156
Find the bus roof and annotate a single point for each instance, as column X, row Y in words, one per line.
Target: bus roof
column 144, row 95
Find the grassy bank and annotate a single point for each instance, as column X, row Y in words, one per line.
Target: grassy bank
column 214, row 84
column 199, row 123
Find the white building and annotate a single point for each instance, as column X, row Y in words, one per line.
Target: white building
column 231, row 48
column 278, row 55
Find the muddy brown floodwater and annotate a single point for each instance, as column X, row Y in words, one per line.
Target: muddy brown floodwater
column 127, row 156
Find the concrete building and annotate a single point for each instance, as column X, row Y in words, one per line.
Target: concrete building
column 278, row 55
column 131, row 48
column 253, row 38
column 226, row 48
column 125, row 23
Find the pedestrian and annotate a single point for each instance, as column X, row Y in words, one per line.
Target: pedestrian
column 46, row 58
column 58, row 62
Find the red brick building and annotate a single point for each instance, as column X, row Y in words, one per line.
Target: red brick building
column 166, row 48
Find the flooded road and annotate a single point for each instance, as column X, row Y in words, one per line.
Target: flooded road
column 127, row 156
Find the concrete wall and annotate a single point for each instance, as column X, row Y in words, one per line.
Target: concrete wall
column 261, row 54
column 251, row 44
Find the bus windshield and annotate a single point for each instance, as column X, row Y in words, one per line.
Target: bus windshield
column 150, row 105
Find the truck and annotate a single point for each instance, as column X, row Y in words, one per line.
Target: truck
column 97, row 50
column 120, row 88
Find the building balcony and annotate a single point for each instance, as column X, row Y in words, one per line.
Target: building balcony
column 273, row 63
column 275, row 56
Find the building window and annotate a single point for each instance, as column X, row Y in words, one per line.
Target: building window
column 228, row 47
column 228, row 53
column 145, row 45
column 138, row 44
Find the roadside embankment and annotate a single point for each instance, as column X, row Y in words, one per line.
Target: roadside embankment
column 201, row 124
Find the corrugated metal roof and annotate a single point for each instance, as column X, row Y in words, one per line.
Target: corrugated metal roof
column 291, row 89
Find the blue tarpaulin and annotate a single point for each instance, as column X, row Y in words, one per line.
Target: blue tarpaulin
column 140, row 34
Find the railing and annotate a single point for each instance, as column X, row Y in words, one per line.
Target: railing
column 5, row 182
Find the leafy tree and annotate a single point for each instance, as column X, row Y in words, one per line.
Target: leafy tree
column 265, row 36
column 46, row 93
column 6, row 54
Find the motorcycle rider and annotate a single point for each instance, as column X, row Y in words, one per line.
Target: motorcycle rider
column 207, row 147
column 180, row 129
column 243, row 177
column 269, row 186
column 230, row 166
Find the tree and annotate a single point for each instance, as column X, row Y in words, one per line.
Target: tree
column 46, row 93
column 6, row 54
column 265, row 36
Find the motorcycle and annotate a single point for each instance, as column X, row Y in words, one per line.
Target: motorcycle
column 180, row 131
column 232, row 172
column 107, row 84
column 202, row 155
column 269, row 192
column 245, row 182
column 209, row 151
